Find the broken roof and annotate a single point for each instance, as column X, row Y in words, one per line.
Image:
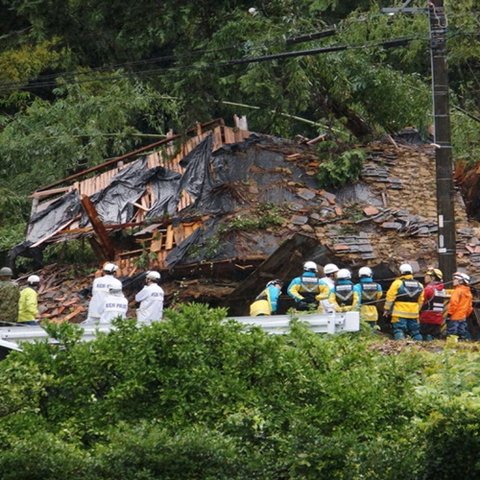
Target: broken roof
column 230, row 198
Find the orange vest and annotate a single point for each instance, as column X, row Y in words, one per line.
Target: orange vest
column 460, row 306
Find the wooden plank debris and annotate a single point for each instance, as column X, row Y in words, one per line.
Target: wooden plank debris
column 104, row 240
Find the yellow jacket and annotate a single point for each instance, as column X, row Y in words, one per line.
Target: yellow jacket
column 353, row 299
column 404, row 298
column 28, row 305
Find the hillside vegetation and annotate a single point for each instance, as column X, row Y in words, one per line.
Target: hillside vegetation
column 195, row 397
column 83, row 80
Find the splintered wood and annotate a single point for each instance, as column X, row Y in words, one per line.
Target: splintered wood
column 59, row 299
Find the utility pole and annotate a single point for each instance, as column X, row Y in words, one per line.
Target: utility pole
column 446, row 243
column 442, row 140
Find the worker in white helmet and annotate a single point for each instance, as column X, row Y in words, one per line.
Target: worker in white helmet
column 151, row 299
column 28, row 302
column 343, row 297
column 266, row 302
column 460, row 306
column 369, row 292
column 403, row 301
column 307, row 290
column 330, row 271
column 100, row 288
column 115, row 305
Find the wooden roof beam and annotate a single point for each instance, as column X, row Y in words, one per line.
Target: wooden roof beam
column 104, row 240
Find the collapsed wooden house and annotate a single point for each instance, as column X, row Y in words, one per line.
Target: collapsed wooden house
column 236, row 209
column 140, row 191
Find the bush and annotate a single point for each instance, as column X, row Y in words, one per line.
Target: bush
column 195, row 396
column 452, row 437
column 346, row 168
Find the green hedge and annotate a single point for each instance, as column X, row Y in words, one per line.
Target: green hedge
column 196, row 397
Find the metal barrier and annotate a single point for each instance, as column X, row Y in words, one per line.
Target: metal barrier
column 11, row 338
column 318, row 323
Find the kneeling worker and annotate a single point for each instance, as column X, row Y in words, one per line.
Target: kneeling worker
column 267, row 301
column 151, row 299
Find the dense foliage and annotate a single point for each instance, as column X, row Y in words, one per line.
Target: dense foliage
column 83, row 80
column 195, row 397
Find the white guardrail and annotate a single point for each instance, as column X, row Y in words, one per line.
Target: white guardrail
column 318, row 323
column 11, row 338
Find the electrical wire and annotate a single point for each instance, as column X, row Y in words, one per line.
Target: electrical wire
column 393, row 43
column 42, row 80
column 307, row 37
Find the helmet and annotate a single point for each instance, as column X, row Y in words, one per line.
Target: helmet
column 344, row 274
column 434, row 272
column 406, row 268
column 153, row 275
column 330, row 268
column 271, row 283
column 115, row 286
column 365, row 272
column 6, row 272
column 33, row 279
column 109, row 267
column 310, row 267
column 463, row 277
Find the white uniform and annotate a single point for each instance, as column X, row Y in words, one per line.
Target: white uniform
column 100, row 288
column 151, row 303
column 327, row 306
column 114, row 305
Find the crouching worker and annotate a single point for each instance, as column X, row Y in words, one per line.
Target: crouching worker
column 460, row 306
column 403, row 301
column 308, row 290
column 267, row 301
column 369, row 292
column 114, row 305
column 343, row 296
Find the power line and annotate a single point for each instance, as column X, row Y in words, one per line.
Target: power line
column 393, row 43
column 307, row 37
column 42, row 80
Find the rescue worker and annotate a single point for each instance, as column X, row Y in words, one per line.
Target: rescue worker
column 434, row 298
column 460, row 306
column 151, row 299
column 343, row 297
column 114, row 304
column 307, row 290
column 28, row 302
column 369, row 292
column 9, row 296
column 329, row 271
column 267, row 301
column 403, row 301
column 100, row 289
